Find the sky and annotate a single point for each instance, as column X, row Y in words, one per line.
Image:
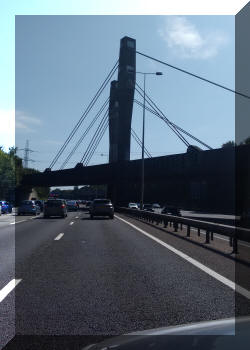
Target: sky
column 61, row 60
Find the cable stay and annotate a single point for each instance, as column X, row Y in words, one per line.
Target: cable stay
column 84, row 115
column 178, row 134
column 176, row 126
column 94, row 138
column 137, row 139
column 84, row 134
column 162, row 116
column 98, row 141
column 194, row 75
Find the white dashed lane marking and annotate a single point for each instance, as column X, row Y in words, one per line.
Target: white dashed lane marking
column 59, row 236
column 8, row 288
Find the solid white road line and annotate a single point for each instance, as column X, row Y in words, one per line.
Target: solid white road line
column 17, row 222
column 72, row 222
column 8, row 288
column 222, row 279
column 59, row 236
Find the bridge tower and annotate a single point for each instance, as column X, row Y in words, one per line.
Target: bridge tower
column 121, row 102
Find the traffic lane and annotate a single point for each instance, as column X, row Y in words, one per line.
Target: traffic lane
column 32, row 234
column 7, row 254
column 103, row 277
column 7, row 320
column 227, row 266
column 20, row 240
column 31, row 237
column 218, row 262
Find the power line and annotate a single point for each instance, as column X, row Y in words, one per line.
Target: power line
column 84, row 115
column 84, row 134
column 194, row 75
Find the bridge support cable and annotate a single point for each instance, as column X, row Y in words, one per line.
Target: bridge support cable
column 176, row 126
column 85, row 113
column 168, row 122
column 97, row 142
column 194, row 75
column 94, row 137
column 138, row 141
column 84, row 134
column 178, row 134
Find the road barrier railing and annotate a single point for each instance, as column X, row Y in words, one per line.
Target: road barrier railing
column 233, row 233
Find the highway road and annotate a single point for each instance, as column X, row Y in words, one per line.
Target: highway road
column 77, row 276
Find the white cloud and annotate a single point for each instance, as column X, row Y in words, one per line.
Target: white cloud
column 7, row 128
column 26, row 122
column 186, row 41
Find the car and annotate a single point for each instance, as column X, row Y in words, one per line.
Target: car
column 148, row 207
column 40, row 203
column 72, row 205
column 55, row 207
column 171, row 210
column 133, row 206
column 101, row 207
column 88, row 204
column 6, row 207
column 229, row 333
column 28, row 207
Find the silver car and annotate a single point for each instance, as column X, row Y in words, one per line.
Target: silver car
column 101, row 207
column 55, row 207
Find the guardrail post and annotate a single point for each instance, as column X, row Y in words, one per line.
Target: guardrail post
column 188, row 231
column 175, row 226
column 181, row 226
column 165, row 223
column 212, row 236
column 199, row 232
column 235, row 246
column 231, row 241
column 207, row 236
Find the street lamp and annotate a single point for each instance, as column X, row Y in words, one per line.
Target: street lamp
column 143, row 134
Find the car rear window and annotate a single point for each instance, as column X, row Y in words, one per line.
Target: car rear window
column 102, row 201
column 27, row 203
column 71, row 202
column 55, row 203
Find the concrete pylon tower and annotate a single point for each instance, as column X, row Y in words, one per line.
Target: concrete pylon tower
column 121, row 102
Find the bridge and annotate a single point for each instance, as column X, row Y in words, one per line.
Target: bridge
column 202, row 178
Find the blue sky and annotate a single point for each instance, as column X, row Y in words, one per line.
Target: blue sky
column 62, row 60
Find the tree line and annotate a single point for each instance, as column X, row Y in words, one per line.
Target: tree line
column 11, row 174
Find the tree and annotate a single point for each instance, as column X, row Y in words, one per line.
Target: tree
column 228, row 144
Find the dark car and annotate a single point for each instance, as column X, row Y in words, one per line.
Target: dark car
column 6, row 207
column 55, row 207
column 28, row 207
column 72, row 205
column 101, row 207
column 148, row 207
column 171, row 210
column 40, row 203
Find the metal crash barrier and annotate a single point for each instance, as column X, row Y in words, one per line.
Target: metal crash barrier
column 233, row 233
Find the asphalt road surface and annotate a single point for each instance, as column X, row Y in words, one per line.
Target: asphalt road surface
column 77, row 276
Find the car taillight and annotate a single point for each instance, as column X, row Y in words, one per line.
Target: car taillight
column 33, row 206
column 63, row 206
